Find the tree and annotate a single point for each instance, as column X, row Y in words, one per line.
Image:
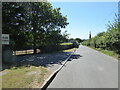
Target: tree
column 113, row 35
column 78, row 40
column 110, row 39
column 65, row 36
column 44, row 19
column 13, row 22
column 33, row 23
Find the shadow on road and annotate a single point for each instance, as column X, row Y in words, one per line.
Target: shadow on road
column 74, row 56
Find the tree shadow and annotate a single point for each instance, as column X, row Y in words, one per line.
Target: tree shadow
column 74, row 56
column 46, row 60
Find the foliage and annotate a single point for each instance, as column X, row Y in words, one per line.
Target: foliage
column 33, row 24
column 78, row 40
column 75, row 40
column 13, row 22
column 109, row 40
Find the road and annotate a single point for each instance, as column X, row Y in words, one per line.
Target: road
column 87, row 68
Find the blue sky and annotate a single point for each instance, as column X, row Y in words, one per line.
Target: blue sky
column 84, row 17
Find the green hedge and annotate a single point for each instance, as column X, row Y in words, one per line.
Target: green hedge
column 52, row 48
column 109, row 40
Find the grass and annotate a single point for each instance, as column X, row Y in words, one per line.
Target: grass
column 24, row 77
column 66, row 43
column 107, row 52
column 69, row 50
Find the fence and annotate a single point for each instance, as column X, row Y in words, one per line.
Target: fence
column 7, row 52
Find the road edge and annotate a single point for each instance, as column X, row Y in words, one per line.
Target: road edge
column 103, row 54
column 49, row 79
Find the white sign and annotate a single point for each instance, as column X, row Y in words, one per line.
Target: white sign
column 5, row 39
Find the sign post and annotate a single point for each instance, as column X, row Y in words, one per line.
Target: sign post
column 5, row 39
column 6, row 50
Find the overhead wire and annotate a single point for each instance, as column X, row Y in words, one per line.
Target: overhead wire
column 107, row 17
column 111, row 13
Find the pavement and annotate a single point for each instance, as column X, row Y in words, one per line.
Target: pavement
column 87, row 68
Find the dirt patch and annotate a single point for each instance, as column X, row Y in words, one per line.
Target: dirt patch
column 40, row 77
column 31, row 73
column 3, row 73
column 24, row 77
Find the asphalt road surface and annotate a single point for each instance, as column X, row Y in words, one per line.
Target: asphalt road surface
column 87, row 68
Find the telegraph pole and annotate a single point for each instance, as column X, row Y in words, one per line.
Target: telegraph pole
column 90, row 35
column 89, row 38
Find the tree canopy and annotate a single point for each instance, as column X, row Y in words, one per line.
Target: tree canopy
column 32, row 23
column 107, row 40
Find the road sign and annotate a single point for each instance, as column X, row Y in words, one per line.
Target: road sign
column 5, row 39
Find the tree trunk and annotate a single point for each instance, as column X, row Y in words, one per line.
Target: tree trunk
column 34, row 45
column 34, row 50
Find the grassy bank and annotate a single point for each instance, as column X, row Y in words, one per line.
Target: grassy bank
column 69, row 50
column 24, row 77
column 107, row 52
column 66, row 43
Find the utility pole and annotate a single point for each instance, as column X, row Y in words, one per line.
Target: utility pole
column 90, row 35
column 119, row 13
column 89, row 38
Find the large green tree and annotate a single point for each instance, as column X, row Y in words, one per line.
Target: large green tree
column 32, row 23
column 45, row 20
column 13, row 21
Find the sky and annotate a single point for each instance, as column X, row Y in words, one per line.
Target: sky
column 84, row 17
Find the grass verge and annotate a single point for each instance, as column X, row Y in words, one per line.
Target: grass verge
column 69, row 50
column 24, row 77
column 66, row 43
column 107, row 52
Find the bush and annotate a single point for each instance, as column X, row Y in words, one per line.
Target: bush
column 52, row 48
column 109, row 40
